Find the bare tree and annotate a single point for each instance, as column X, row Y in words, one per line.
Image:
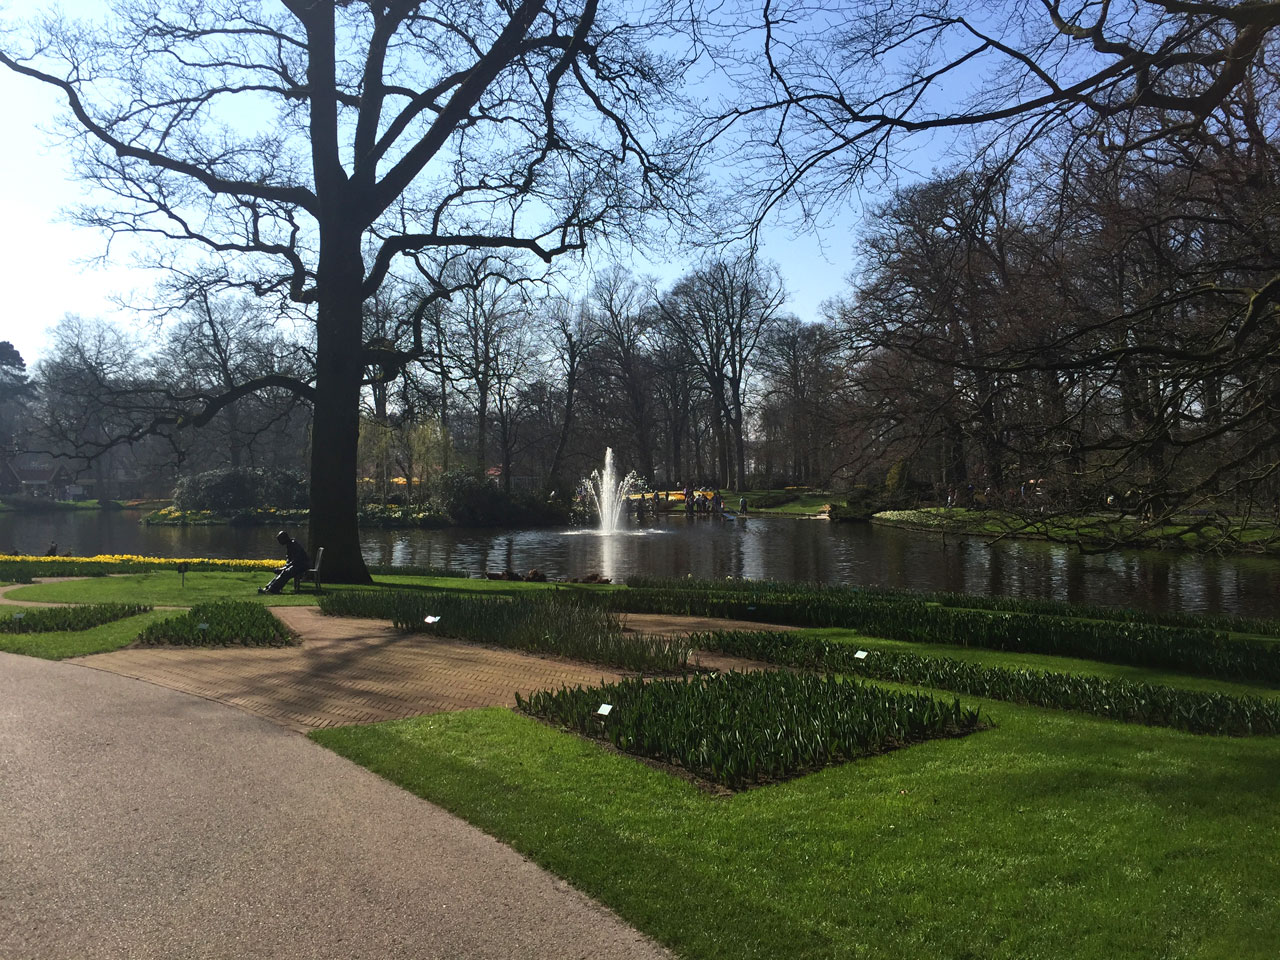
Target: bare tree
column 310, row 147
column 622, row 318
column 721, row 314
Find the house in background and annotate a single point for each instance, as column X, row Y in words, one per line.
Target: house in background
column 51, row 481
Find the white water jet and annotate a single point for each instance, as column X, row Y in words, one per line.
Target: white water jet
column 608, row 492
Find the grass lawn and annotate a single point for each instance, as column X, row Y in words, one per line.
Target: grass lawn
column 1052, row 836
column 165, row 588
column 1086, row 528
column 1045, row 662
column 805, row 505
column 77, row 643
column 801, row 503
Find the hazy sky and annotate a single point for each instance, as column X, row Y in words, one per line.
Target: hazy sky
column 46, row 269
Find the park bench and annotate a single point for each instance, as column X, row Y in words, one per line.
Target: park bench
column 313, row 575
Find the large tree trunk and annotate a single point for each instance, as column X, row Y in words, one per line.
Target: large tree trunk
column 336, row 427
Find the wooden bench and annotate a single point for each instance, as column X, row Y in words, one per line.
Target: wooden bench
column 312, row 575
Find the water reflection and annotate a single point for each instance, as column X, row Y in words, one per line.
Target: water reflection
column 759, row 548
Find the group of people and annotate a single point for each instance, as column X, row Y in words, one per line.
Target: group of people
column 707, row 500
column 641, row 505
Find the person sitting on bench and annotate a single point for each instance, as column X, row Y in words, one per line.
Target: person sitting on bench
column 296, row 563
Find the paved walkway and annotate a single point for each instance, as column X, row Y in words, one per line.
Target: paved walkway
column 349, row 670
column 143, row 823
column 346, row 671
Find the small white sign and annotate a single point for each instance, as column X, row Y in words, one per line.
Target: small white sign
column 202, row 626
column 18, row 616
column 605, row 710
column 860, row 655
column 430, row 619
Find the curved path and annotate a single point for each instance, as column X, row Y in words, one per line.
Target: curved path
column 140, row 822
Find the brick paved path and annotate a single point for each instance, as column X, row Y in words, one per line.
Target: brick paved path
column 349, row 670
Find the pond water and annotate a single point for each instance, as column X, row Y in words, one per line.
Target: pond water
column 759, row 548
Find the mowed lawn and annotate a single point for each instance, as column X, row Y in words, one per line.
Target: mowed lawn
column 1051, row 836
column 60, row 644
column 166, row 588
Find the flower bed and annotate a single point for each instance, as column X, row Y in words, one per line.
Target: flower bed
column 1132, row 702
column 538, row 624
column 222, row 623
column 50, row 619
column 1198, row 650
column 740, row 729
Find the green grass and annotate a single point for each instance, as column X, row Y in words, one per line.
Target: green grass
column 79, row 643
column 802, row 503
column 164, row 588
column 1046, row 662
column 1051, row 836
column 1092, row 529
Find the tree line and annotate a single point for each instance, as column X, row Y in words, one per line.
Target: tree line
column 1083, row 294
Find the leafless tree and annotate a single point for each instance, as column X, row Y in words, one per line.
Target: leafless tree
column 310, row 147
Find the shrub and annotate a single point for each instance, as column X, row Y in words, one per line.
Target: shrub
column 221, row 623
column 739, row 729
column 1126, row 700
column 238, row 488
column 540, row 624
column 472, row 501
column 49, row 619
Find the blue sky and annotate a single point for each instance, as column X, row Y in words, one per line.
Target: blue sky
column 47, row 266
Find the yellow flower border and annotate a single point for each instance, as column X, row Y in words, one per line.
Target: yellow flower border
column 128, row 559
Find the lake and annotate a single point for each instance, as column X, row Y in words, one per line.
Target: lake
column 778, row 548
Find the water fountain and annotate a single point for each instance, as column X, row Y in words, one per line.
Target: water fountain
column 608, row 492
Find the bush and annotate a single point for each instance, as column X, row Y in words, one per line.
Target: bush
column 49, row 619
column 221, row 623
column 240, row 488
column 739, row 729
column 541, row 624
column 472, row 501
column 1126, row 700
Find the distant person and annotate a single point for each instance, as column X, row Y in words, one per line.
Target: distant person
column 742, row 506
column 52, row 551
column 296, row 563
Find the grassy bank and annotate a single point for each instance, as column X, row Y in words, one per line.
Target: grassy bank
column 1189, row 533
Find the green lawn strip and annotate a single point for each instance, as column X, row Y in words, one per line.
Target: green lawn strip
column 79, row 643
column 1086, row 528
column 165, row 588
column 804, row 505
column 1052, row 835
column 1047, row 662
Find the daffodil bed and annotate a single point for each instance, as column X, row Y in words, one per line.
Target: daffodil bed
column 19, row 568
